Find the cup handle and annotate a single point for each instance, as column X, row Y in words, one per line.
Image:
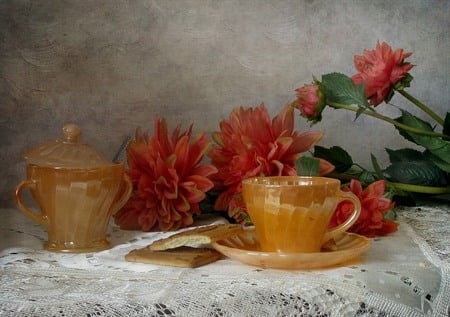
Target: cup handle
column 27, row 211
column 126, row 193
column 334, row 232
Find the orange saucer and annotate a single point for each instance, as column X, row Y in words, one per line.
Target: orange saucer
column 245, row 248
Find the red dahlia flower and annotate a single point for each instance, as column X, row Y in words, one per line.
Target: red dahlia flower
column 169, row 183
column 371, row 221
column 380, row 70
column 250, row 144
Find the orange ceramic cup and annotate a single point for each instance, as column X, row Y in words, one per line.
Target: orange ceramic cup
column 291, row 214
column 75, row 204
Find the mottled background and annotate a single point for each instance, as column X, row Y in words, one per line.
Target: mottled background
column 111, row 66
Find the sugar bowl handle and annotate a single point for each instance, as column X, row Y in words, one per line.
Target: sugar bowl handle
column 27, row 211
column 125, row 193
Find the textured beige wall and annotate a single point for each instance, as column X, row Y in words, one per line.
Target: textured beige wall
column 111, row 66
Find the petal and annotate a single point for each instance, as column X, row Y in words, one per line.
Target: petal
column 283, row 123
column 147, row 221
column 198, row 148
column 192, row 194
column 377, row 188
column 325, row 167
column 202, row 183
column 306, row 141
column 280, row 147
column 127, row 217
column 204, row 170
column 389, row 226
column 356, row 187
column 182, row 204
column 181, row 152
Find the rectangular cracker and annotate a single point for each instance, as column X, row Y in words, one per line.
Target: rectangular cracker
column 180, row 257
column 196, row 236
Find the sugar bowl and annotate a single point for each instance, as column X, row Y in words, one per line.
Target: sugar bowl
column 76, row 190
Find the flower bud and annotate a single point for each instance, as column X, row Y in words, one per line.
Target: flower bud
column 311, row 101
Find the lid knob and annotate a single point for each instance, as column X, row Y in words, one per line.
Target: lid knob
column 71, row 132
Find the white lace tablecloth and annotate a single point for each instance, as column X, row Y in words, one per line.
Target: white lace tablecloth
column 404, row 274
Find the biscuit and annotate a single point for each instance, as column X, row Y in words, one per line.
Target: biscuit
column 180, row 257
column 200, row 235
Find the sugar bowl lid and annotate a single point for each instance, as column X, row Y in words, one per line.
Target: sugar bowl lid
column 67, row 152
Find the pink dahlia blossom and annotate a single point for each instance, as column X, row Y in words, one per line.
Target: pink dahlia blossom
column 371, row 221
column 169, row 181
column 250, row 144
column 380, row 70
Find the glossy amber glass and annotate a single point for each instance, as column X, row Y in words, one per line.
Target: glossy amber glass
column 245, row 248
column 76, row 190
column 75, row 204
column 291, row 214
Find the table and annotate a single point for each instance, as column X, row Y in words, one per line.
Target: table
column 404, row 274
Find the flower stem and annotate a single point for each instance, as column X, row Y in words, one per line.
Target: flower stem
column 401, row 186
column 423, row 107
column 343, row 176
column 387, row 119
column 420, row 188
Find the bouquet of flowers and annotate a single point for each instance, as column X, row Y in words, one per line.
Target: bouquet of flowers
column 174, row 183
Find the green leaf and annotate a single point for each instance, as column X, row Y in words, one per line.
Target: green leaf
column 367, row 177
column 390, row 215
column 341, row 89
column 446, row 129
column 443, row 197
column 307, row 166
column 405, row 82
column 437, row 161
column 423, row 173
column 336, row 156
column 414, row 123
column 437, row 146
column 376, row 166
column 404, row 155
